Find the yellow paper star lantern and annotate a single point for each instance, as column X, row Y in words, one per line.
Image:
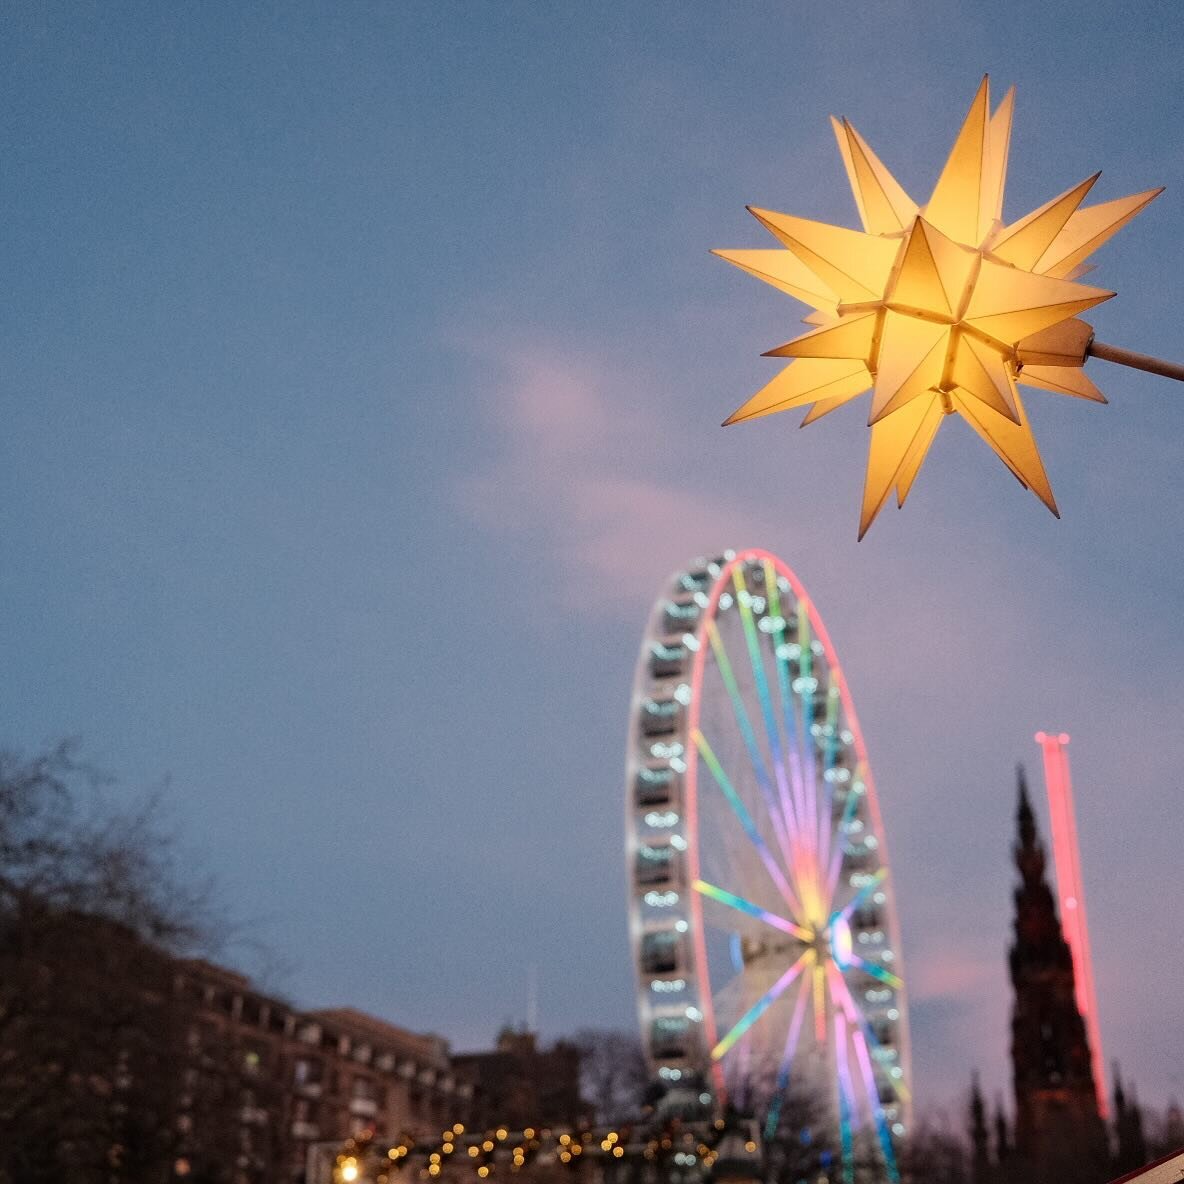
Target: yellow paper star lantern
column 942, row 309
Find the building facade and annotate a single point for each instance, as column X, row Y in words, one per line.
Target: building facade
column 304, row 1077
column 519, row 1084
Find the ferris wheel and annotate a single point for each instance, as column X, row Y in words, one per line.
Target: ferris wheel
column 762, row 917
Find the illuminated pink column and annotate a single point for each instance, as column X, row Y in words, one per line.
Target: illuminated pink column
column 1067, row 858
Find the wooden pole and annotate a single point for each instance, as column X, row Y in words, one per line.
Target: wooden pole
column 1128, row 357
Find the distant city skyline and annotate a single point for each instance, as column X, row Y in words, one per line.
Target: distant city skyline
column 363, row 369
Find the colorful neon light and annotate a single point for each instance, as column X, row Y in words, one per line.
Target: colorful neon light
column 865, row 1065
column 788, row 710
column 1067, row 860
column 848, row 1113
column 819, row 1003
column 771, row 729
column 860, row 1034
column 885, row 976
column 803, row 849
column 807, row 840
column 763, row 1004
column 741, row 811
column 753, row 910
column 750, row 741
column 791, row 1044
column 844, row 999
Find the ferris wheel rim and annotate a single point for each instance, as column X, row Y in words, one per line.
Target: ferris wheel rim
column 703, row 582
column 739, row 560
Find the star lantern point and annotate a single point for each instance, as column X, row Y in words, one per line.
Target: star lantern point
column 938, row 310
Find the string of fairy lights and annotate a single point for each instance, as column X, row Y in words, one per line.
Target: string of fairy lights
column 500, row 1151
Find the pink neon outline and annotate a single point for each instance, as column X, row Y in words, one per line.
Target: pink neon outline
column 1067, row 860
column 691, row 800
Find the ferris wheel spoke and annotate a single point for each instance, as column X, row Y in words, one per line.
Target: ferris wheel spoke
column 844, row 1003
column 762, row 1005
column 848, row 1111
column 802, row 826
column 793, row 731
column 841, row 993
column 740, row 711
column 752, row 642
column 791, row 1044
column 819, row 1002
column 885, row 976
column 877, row 1109
column 845, row 912
column 753, row 910
column 860, row 1035
column 746, row 821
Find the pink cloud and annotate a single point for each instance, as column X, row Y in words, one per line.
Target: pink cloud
column 949, row 972
column 574, row 437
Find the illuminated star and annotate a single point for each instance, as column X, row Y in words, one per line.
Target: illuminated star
column 939, row 310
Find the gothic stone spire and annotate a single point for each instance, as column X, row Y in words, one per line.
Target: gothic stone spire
column 1056, row 1107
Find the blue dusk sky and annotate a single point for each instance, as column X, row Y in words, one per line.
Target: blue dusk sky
column 362, row 368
